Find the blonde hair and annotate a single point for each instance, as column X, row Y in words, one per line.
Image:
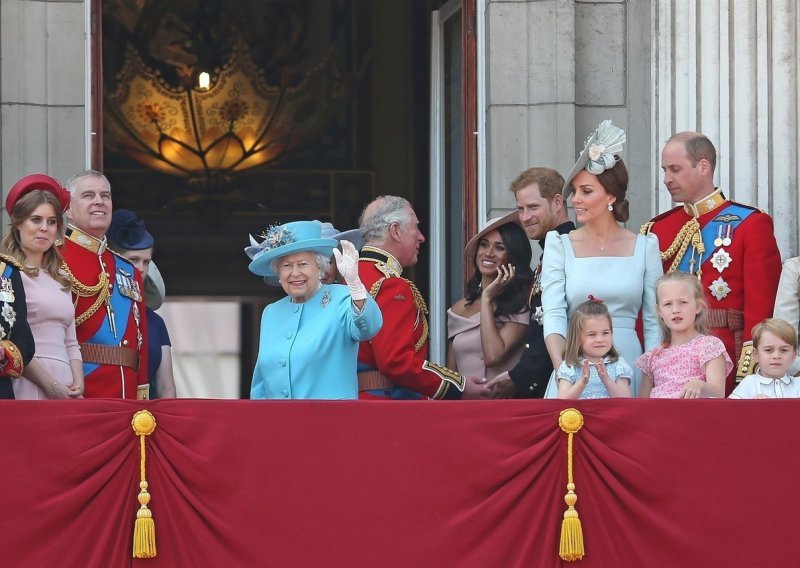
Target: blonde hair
column 693, row 282
column 592, row 308
column 781, row 329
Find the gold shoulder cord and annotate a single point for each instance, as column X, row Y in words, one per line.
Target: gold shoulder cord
column 688, row 235
column 422, row 311
column 83, row 291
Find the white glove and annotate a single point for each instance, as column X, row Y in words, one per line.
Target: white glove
column 347, row 264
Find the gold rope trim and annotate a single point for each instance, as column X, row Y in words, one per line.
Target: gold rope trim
column 422, row 311
column 144, row 530
column 571, row 546
column 81, row 290
column 688, row 235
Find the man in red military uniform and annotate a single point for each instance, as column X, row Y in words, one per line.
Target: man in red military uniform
column 107, row 292
column 730, row 246
column 394, row 364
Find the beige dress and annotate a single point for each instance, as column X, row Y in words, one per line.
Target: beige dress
column 466, row 336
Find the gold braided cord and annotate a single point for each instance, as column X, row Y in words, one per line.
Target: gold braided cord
column 422, row 311
column 571, row 546
column 144, row 529
column 688, row 235
column 81, row 290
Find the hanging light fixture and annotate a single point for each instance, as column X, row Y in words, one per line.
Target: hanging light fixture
column 216, row 124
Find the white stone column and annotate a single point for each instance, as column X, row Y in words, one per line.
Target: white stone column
column 729, row 68
column 530, row 91
column 42, row 74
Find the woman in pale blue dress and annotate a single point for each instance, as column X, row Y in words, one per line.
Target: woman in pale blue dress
column 601, row 258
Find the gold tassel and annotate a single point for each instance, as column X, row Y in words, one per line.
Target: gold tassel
column 571, row 547
column 144, row 529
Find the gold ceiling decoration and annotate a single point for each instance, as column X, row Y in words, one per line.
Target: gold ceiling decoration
column 239, row 122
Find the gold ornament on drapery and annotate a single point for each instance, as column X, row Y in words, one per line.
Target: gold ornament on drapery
column 144, row 530
column 571, row 547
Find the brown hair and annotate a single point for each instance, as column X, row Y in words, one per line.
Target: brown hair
column 779, row 328
column 23, row 209
column 615, row 182
column 550, row 181
column 693, row 282
column 697, row 146
column 590, row 309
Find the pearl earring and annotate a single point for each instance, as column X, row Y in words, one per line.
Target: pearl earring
column 610, row 207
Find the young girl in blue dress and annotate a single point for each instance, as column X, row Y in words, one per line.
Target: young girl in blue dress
column 592, row 367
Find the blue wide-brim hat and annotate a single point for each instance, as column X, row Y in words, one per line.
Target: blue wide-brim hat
column 282, row 240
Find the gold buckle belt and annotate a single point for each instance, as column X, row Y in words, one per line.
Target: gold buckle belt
column 110, row 355
column 371, row 380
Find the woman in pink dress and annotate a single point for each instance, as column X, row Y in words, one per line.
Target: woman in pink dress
column 36, row 204
column 486, row 329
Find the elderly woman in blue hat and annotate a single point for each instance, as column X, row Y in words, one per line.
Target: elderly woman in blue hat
column 128, row 236
column 309, row 339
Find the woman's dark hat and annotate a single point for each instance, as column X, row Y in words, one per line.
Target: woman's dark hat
column 37, row 181
column 127, row 231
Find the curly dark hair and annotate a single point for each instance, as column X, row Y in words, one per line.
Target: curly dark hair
column 514, row 297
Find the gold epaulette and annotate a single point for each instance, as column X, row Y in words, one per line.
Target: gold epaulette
column 8, row 259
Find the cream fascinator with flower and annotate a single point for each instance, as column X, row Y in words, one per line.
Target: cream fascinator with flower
column 599, row 154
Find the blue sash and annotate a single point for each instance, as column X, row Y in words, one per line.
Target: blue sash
column 121, row 308
column 7, row 271
column 733, row 214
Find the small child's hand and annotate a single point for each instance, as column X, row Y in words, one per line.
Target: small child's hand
column 693, row 389
column 762, row 396
column 585, row 372
column 601, row 370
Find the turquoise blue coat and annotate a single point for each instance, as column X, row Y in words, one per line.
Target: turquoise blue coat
column 309, row 350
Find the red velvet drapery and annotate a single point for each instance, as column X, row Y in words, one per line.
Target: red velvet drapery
column 405, row 484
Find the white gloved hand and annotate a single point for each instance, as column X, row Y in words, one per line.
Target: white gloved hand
column 347, row 264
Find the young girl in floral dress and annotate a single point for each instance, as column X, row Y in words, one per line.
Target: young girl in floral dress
column 689, row 363
column 592, row 367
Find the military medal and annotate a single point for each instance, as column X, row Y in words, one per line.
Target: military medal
column 726, row 241
column 718, row 240
column 721, row 260
column 127, row 285
column 538, row 315
column 719, row 288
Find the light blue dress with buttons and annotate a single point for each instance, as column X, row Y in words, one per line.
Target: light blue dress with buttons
column 595, row 388
column 625, row 283
column 309, row 350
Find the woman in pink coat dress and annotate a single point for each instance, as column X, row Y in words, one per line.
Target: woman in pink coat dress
column 36, row 204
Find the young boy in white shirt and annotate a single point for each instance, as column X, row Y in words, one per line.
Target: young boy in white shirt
column 775, row 345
